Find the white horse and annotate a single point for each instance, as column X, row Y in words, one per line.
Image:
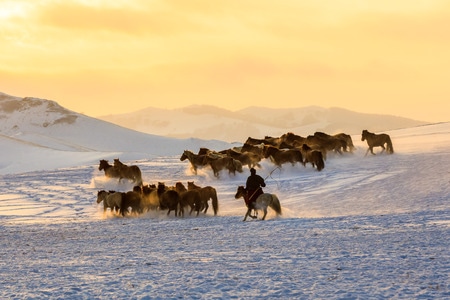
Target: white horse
column 262, row 202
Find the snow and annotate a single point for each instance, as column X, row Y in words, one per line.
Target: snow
column 366, row 227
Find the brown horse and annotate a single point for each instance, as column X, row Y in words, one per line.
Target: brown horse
column 262, row 202
column 218, row 164
column 343, row 139
column 326, row 143
column 131, row 199
column 246, row 158
column 109, row 169
column 207, row 192
column 283, row 156
column 196, row 160
column 190, row 198
column 313, row 156
column 150, row 198
column 128, row 172
column 169, row 199
column 288, row 139
column 377, row 140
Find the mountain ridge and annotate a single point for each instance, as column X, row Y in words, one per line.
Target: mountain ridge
column 211, row 122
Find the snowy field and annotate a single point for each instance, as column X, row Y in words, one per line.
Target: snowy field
column 370, row 227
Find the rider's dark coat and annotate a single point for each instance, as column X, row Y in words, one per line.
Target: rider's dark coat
column 254, row 186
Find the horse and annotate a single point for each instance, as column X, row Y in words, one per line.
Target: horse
column 131, row 199
column 206, row 193
column 168, row 199
column 326, row 143
column 345, row 140
column 289, row 138
column 377, row 140
column 313, row 156
column 110, row 171
column 111, row 200
column 246, row 158
column 150, row 198
column 218, row 164
column 267, row 140
column 191, row 198
column 196, row 160
column 128, row 172
column 279, row 156
column 348, row 140
column 255, row 149
column 262, row 202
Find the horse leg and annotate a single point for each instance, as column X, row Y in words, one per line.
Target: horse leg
column 247, row 214
column 265, row 213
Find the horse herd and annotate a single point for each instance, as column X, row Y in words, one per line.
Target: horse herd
column 288, row 148
column 160, row 197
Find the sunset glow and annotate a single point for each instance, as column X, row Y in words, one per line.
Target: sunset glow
column 108, row 57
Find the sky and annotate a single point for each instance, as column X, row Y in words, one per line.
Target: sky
column 110, row 57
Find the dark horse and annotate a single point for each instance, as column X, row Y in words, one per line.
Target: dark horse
column 128, row 172
column 207, row 192
column 262, row 202
column 282, row 156
column 121, row 171
column 168, row 199
column 314, row 157
column 196, row 160
column 190, row 198
column 377, row 140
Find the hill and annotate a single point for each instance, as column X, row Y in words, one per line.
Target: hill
column 210, row 122
column 51, row 131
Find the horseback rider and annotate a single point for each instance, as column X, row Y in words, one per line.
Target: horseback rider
column 254, row 186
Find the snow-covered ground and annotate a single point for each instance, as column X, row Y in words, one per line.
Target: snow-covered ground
column 370, row 227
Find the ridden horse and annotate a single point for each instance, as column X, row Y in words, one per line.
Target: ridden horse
column 111, row 200
column 207, row 192
column 282, row 156
column 313, row 156
column 262, row 202
column 227, row 162
column 189, row 198
column 128, row 172
column 377, row 140
column 196, row 160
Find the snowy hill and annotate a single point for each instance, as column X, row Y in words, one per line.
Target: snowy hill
column 48, row 130
column 209, row 122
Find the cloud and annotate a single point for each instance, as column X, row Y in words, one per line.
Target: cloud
column 124, row 19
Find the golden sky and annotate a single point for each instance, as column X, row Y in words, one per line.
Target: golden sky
column 107, row 57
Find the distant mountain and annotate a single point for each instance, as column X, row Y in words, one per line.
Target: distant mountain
column 209, row 122
column 44, row 127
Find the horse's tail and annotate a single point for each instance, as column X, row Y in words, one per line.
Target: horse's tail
column 389, row 145
column 138, row 176
column 215, row 201
column 320, row 162
column 275, row 205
